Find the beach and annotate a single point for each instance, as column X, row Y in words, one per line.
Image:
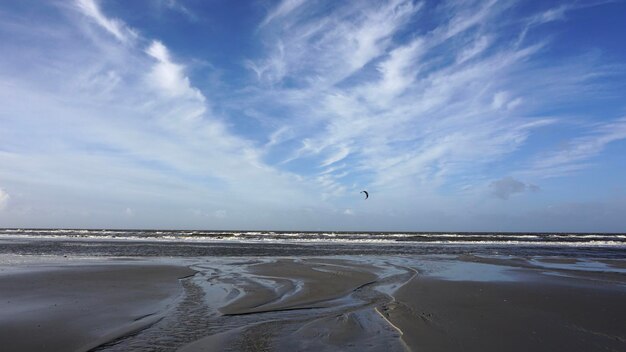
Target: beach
column 302, row 303
column 76, row 307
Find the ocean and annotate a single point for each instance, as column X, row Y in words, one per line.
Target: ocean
column 180, row 243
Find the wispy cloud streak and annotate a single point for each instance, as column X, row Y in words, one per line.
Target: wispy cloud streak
column 114, row 26
column 577, row 153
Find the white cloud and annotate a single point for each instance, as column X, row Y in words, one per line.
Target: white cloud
column 280, row 135
column 398, row 72
column 503, row 100
column 340, row 153
column 168, row 76
column 114, row 26
column 499, row 99
column 555, row 14
column 550, row 15
column 129, row 212
column 476, row 48
column 284, row 8
column 177, row 6
column 327, row 49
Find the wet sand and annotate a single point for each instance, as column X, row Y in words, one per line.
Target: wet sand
column 349, row 303
column 438, row 315
column 76, row 308
column 299, row 285
column 464, row 304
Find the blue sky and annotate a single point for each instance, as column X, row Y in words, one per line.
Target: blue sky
column 454, row 115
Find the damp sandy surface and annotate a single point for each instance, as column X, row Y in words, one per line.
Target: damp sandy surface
column 348, row 303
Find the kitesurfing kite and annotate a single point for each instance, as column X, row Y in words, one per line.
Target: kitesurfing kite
column 366, row 194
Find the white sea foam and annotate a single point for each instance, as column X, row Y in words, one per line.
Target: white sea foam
column 554, row 240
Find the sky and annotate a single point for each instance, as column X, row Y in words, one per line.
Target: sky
column 274, row 115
